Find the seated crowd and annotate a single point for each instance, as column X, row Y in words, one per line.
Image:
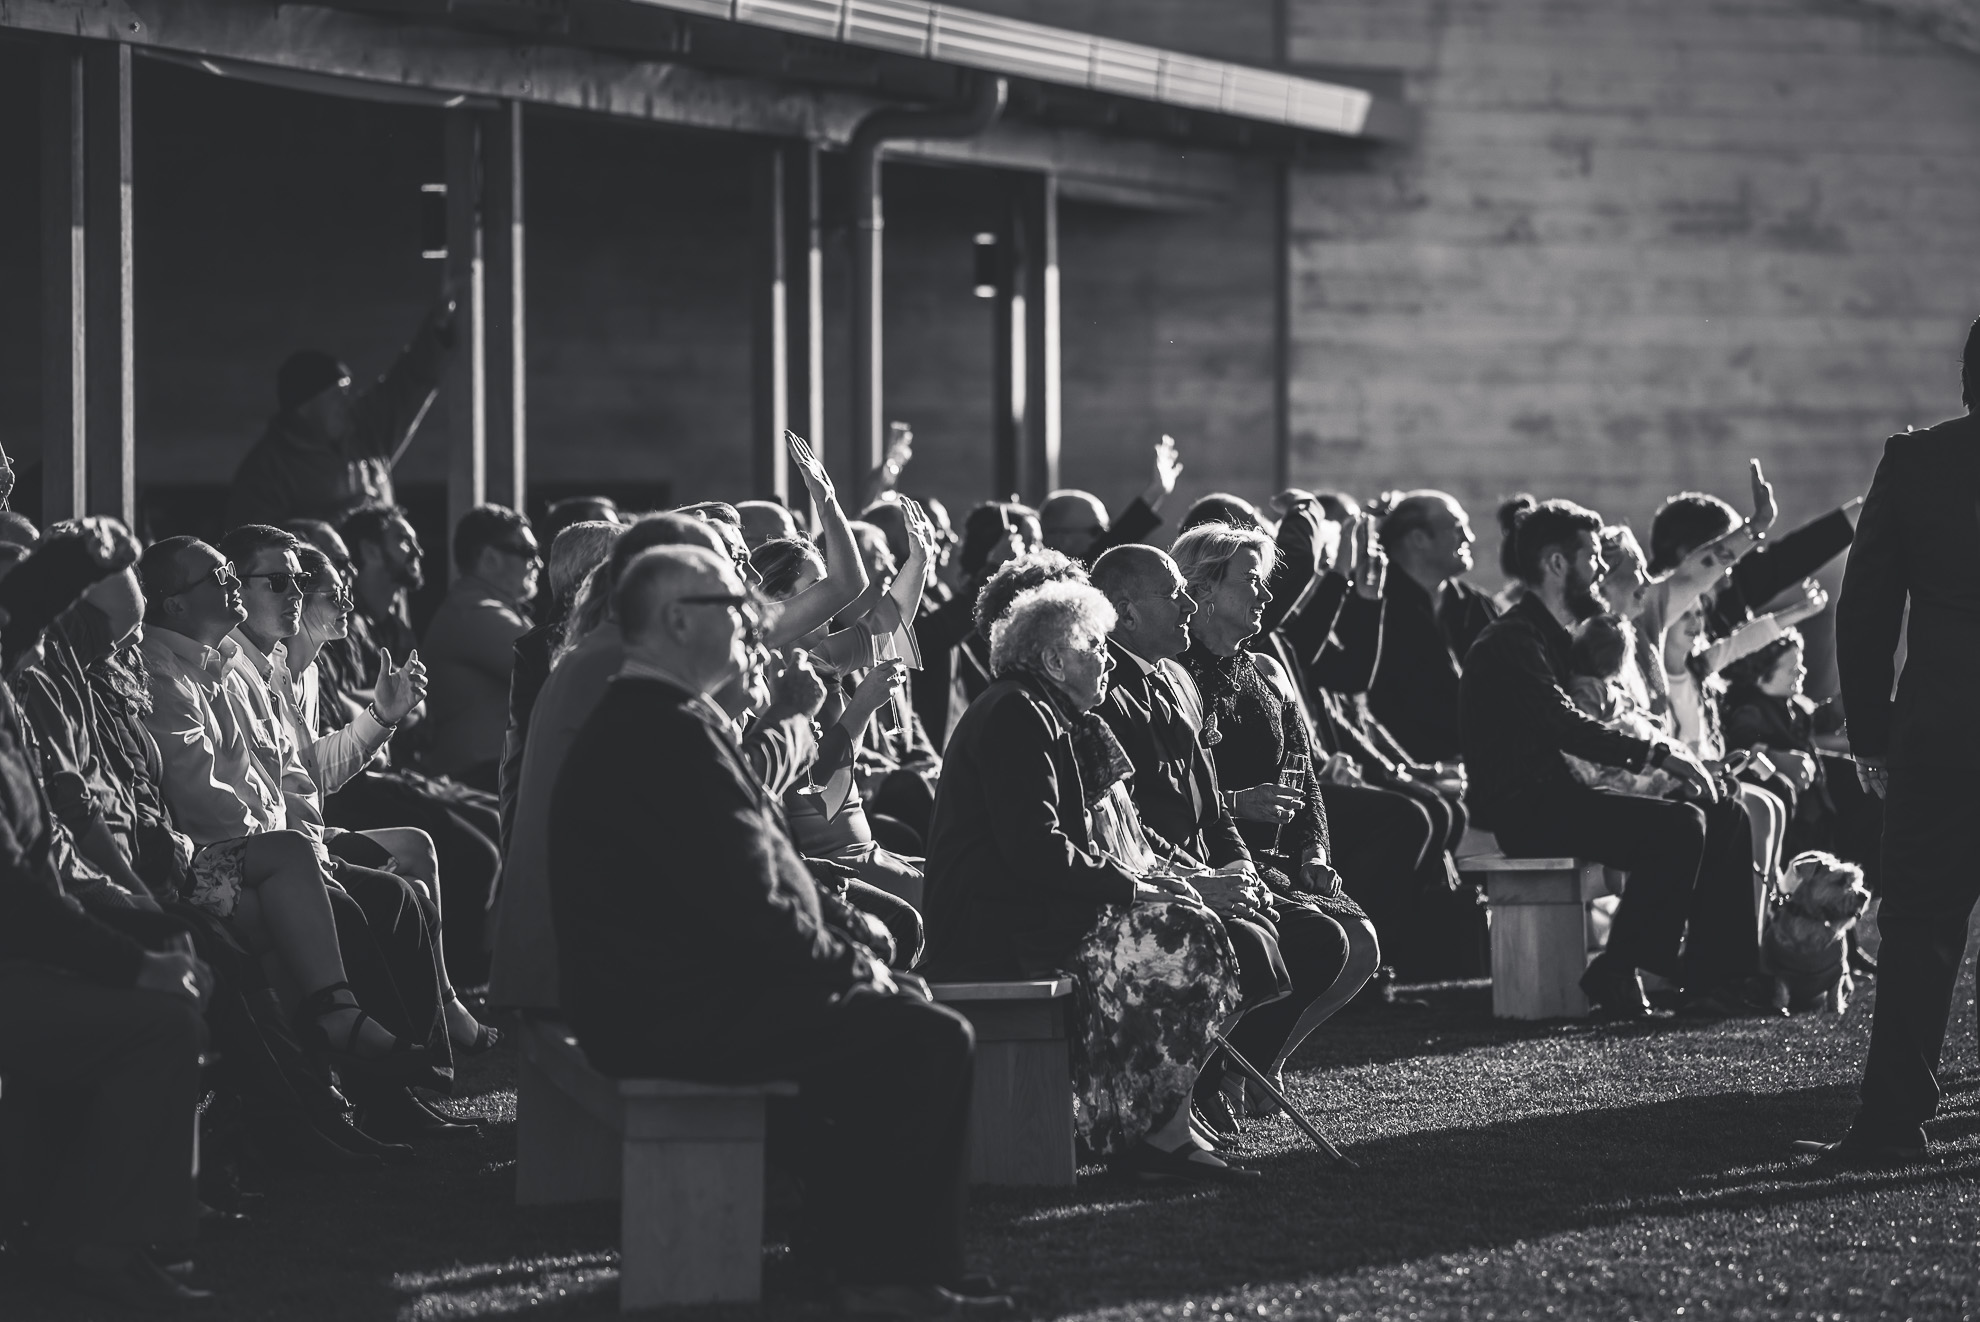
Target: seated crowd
column 731, row 780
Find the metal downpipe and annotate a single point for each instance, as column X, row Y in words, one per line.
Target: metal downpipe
column 868, row 441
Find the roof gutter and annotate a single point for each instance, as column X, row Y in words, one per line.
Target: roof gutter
column 886, row 125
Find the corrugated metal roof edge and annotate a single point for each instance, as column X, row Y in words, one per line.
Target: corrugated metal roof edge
column 960, row 36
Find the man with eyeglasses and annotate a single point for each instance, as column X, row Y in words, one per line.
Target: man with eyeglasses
column 470, row 645
column 692, row 945
column 330, row 447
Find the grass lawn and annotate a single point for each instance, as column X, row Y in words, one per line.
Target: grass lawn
column 1506, row 1171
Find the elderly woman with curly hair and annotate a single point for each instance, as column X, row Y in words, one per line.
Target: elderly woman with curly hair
column 1039, row 866
column 1248, row 715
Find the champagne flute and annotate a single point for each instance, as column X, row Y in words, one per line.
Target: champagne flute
column 1293, row 771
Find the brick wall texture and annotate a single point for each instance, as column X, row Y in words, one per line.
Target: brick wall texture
column 1635, row 242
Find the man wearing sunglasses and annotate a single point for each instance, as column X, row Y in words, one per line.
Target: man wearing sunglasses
column 470, row 646
column 691, row 945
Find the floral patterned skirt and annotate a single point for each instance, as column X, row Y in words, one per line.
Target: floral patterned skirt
column 1149, row 986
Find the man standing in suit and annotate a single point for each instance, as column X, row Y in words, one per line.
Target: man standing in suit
column 1917, row 543
column 692, row 947
column 1175, row 790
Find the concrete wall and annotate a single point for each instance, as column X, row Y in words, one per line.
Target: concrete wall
column 1636, row 242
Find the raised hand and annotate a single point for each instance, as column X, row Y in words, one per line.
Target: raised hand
column 1808, row 602
column 810, row 471
column 798, row 685
column 1168, row 467
column 400, row 688
column 1764, row 509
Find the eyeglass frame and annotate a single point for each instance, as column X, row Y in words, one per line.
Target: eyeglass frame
column 746, row 604
column 231, row 580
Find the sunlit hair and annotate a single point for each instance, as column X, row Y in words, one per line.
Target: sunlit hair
column 780, row 562
column 579, row 548
column 1053, row 616
column 1021, row 574
column 591, row 605
column 1755, row 666
column 1619, row 544
column 1205, row 552
column 1684, row 523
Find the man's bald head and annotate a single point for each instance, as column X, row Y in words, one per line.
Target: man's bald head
column 764, row 521
column 662, row 575
column 1152, row 605
column 1128, row 572
column 1072, row 521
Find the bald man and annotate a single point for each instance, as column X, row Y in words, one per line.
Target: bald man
column 1430, row 620
column 693, row 947
column 1285, row 964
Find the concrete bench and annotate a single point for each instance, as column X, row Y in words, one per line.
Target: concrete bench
column 1021, row 1112
column 1549, row 917
column 685, row 1161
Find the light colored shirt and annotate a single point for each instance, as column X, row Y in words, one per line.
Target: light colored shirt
column 331, row 759
column 217, row 787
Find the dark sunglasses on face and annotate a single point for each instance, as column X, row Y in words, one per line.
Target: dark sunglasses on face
column 221, row 575
column 284, row 582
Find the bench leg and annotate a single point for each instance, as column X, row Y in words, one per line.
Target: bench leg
column 1539, row 952
column 1021, row 1115
column 691, row 1219
column 563, row 1153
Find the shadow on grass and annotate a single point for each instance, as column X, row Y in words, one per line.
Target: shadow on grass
column 1423, row 1194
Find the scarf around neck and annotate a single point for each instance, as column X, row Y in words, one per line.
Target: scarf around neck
column 1101, row 759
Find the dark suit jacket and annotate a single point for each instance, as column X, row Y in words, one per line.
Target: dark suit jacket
column 1518, row 718
column 1917, row 540
column 1014, row 882
column 1168, row 761
column 1424, row 642
column 684, row 916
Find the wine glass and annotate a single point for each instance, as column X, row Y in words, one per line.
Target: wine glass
column 1294, row 768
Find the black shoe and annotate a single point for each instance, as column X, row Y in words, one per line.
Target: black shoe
column 405, row 1064
column 919, row 1301
column 135, row 1282
column 1615, row 991
column 1729, row 1000
column 402, row 1118
column 1854, row 1151
column 1188, row 1162
column 1214, row 1111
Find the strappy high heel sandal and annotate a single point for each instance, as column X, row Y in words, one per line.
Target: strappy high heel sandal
column 403, row 1064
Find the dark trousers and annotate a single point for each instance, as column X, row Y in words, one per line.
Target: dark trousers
column 464, row 832
column 1931, row 882
column 1314, row 950
column 118, row 1070
column 1672, row 882
column 386, row 934
column 879, row 1133
column 1447, row 813
column 1389, row 845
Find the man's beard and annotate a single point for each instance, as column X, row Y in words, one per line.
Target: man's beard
column 1586, row 599
column 409, row 576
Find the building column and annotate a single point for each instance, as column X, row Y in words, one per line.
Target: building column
column 467, row 384
column 507, row 358
column 64, row 351
column 1039, row 200
column 770, row 372
column 1026, row 352
column 110, row 407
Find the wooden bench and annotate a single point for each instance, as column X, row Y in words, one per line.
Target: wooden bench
column 1021, row 1112
column 1547, row 922
column 685, row 1161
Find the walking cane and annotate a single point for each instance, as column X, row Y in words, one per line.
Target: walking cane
column 1340, row 1159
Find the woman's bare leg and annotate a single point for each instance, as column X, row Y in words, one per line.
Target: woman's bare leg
column 282, row 901
column 415, row 857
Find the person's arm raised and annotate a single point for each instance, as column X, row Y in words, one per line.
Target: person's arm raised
column 845, row 572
